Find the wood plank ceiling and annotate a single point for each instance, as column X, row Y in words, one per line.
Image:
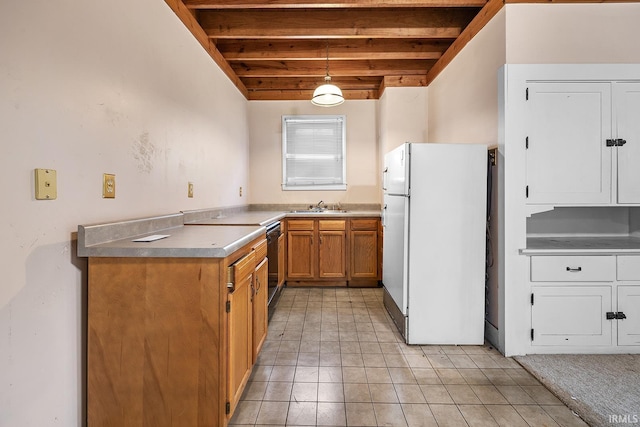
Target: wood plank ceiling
column 277, row 49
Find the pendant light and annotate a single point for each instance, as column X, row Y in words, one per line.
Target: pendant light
column 328, row 94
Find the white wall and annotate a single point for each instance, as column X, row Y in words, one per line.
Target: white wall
column 573, row 33
column 265, row 128
column 402, row 117
column 86, row 88
column 463, row 99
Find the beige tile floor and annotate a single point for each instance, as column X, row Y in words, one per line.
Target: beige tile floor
column 334, row 358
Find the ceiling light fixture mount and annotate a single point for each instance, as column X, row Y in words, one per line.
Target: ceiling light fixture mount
column 327, row 94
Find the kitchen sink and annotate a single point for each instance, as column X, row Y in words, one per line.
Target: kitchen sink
column 320, row 211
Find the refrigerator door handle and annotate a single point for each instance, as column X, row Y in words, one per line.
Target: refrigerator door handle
column 383, row 214
column 384, row 179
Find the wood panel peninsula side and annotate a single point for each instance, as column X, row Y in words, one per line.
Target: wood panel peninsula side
column 171, row 338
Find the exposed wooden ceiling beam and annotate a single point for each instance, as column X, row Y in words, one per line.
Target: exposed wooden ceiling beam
column 326, row 24
column 310, row 83
column 405, row 81
column 282, row 50
column 305, row 95
column 326, row 4
column 336, row 68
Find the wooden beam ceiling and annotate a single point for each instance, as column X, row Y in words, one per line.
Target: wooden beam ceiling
column 323, row 4
column 277, row 49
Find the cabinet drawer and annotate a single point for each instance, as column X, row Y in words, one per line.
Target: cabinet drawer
column 300, row 224
column 243, row 267
column 260, row 251
column 628, row 267
column 364, row 224
column 573, row 269
column 332, row 224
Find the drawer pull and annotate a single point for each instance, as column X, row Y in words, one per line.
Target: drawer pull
column 574, row 270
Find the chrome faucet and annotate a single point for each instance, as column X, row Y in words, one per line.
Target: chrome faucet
column 320, row 205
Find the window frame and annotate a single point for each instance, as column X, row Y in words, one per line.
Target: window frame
column 285, row 143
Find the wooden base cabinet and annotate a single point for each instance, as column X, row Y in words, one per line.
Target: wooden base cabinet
column 301, row 250
column 316, row 252
column 333, row 252
column 162, row 349
column 332, row 248
column 239, row 310
column 364, row 243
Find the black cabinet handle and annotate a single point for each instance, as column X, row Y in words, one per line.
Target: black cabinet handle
column 574, row 270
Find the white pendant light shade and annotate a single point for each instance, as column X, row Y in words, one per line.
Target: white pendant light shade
column 327, row 95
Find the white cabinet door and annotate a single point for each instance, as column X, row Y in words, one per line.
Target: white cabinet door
column 629, row 304
column 568, row 161
column 627, row 127
column 571, row 315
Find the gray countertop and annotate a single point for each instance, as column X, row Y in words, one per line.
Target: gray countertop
column 596, row 245
column 330, row 214
column 183, row 242
column 261, row 218
column 189, row 233
column 267, row 217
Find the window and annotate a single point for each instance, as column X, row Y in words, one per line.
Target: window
column 313, row 153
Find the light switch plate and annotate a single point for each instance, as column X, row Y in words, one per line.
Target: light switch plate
column 46, row 184
column 190, row 190
column 108, row 186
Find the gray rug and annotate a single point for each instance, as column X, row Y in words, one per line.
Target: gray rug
column 603, row 389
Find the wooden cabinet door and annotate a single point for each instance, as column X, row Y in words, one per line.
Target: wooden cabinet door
column 259, row 306
column 364, row 254
column 240, row 338
column 627, row 108
column 301, row 254
column 571, row 315
column 332, row 249
column 567, row 160
column 332, row 254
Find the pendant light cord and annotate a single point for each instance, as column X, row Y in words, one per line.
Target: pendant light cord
column 328, row 59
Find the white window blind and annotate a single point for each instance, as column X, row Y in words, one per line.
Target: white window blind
column 313, row 153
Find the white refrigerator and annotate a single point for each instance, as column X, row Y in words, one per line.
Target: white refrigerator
column 434, row 218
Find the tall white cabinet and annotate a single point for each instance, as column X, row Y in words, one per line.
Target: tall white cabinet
column 569, row 209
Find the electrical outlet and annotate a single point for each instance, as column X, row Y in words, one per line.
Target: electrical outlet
column 108, row 186
column 240, row 191
column 190, row 190
column 46, row 184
